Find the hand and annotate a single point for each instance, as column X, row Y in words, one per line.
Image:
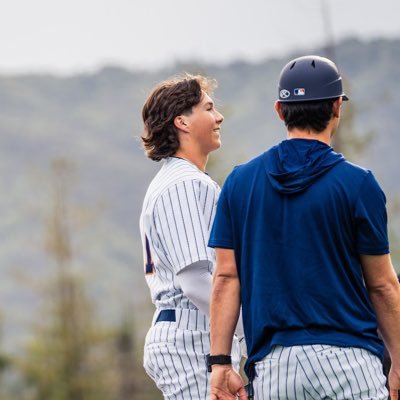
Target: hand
column 226, row 384
column 394, row 383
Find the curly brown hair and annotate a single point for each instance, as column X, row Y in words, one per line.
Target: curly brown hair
column 167, row 100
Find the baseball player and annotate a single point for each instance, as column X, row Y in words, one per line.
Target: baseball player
column 182, row 126
column 302, row 245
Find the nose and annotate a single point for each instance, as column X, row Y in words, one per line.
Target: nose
column 219, row 117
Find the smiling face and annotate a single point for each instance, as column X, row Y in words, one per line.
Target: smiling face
column 203, row 125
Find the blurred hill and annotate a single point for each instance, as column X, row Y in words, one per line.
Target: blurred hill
column 94, row 122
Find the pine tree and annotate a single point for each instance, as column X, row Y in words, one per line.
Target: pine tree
column 125, row 360
column 65, row 359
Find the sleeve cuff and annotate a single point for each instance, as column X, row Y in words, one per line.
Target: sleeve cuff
column 221, row 244
column 373, row 252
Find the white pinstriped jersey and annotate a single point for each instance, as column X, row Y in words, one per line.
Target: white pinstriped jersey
column 175, row 223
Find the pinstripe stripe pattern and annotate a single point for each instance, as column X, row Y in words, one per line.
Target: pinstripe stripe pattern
column 176, row 219
column 319, row 372
column 175, row 356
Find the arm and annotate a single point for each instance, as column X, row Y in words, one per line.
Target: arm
column 384, row 291
column 195, row 281
column 224, row 310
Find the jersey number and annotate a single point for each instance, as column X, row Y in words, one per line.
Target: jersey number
column 149, row 267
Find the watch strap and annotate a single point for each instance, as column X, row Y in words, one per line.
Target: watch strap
column 220, row 359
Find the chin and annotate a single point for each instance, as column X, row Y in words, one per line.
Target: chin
column 213, row 146
column 217, row 145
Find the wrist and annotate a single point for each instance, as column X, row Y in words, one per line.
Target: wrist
column 221, row 367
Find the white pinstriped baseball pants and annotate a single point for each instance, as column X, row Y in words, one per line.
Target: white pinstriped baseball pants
column 175, row 356
column 319, row 372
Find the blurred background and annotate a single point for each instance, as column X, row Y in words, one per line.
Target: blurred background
column 74, row 306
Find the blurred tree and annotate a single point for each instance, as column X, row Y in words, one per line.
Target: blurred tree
column 125, row 355
column 347, row 139
column 5, row 360
column 66, row 357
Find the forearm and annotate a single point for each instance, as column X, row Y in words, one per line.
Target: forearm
column 384, row 291
column 225, row 309
column 386, row 302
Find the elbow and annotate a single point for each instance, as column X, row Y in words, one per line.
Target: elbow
column 225, row 272
column 387, row 292
column 223, row 283
column 383, row 287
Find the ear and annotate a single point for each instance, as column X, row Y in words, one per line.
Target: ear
column 278, row 110
column 181, row 123
column 336, row 107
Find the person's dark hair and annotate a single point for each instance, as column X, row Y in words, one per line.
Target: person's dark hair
column 308, row 115
column 168, row 100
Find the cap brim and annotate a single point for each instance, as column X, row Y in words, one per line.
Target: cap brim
column 345, row 98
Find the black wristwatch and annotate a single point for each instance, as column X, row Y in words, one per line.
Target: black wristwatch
column 220, row 359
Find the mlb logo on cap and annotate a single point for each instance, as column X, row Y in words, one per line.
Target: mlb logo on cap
column 299, row 92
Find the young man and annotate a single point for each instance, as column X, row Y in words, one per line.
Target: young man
column 302, row 244
column 182, row 126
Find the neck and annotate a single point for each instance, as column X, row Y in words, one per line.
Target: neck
column 304, row 134
column 325, row 136
column 199, row 160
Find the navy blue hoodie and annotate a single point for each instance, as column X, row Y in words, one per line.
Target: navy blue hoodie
column 298, row 217
column 295, row 164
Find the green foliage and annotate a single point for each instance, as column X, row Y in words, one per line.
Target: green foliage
column 71, row 355
column 64, row 359
column 5, row 360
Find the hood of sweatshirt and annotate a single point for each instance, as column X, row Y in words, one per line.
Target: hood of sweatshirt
column 296, row 163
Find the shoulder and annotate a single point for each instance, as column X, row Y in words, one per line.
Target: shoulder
column 180, row 178
column 173, row 172
column 354, row 169
column 358, row 181
column 357, row 174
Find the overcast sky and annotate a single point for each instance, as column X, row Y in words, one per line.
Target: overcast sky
column 67, row 36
